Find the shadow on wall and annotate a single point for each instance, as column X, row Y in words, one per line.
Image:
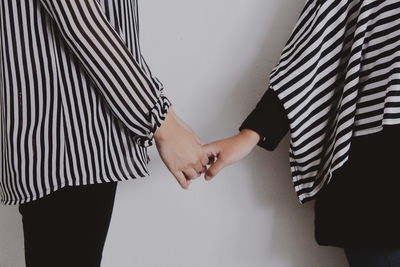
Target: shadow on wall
column 11, row 238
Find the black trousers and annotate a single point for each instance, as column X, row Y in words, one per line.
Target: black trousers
column 68, row 227
column 373, row 257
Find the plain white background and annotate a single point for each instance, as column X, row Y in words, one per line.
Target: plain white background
column 213, row 57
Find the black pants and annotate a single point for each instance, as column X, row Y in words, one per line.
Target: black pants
column 68, row 227
column 373, row 257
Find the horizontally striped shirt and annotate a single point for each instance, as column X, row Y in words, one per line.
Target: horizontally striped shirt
column 338, row 77
column 78, row 103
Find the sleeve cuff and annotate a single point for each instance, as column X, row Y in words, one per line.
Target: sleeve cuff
column 157, row 116
column 268, row 119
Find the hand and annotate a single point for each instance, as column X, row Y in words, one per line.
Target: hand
column 180, row 149
column 229, row 151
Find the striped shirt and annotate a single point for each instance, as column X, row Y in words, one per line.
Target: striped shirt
column 79, row 105
column 338, row 77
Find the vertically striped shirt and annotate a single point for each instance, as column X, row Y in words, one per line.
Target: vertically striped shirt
column 78, row 103
column 338, row 78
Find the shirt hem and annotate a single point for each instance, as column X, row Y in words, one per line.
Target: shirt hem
column 50, row 190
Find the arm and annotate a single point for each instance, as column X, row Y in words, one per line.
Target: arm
column 132, row 95
column 266, row 126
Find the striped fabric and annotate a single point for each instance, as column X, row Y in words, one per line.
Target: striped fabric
column 78, row 103
column 338, row 78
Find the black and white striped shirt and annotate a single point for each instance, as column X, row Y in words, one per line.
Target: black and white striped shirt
column 338, row 77
column 78, row 103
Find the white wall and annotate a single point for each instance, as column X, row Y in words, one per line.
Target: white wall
column 213, row 57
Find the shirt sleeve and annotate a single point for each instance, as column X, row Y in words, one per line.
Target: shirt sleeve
column 269, row 120
column 133, row 95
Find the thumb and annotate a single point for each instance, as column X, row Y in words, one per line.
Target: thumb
column 214, row 169
column 213, row 150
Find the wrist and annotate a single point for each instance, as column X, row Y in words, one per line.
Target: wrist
column 251, row 136
column 163, row 132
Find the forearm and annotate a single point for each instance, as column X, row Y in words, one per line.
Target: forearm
column 133, row 95
column 250, row 136
column 269, row 120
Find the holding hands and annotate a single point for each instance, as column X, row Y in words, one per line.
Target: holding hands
column 180, row 149
column 185, row 156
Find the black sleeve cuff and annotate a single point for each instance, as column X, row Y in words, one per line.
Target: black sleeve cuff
column 269, row 120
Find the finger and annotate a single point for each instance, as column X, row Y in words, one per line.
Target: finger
column 204, row 160
column 199, row 167
column 215, row 169
column 191, row 174
column 203, row 170
column 211, row 150
column 180, row 177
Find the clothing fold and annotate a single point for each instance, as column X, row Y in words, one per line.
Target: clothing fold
column 79, row 103
column 337, row 78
